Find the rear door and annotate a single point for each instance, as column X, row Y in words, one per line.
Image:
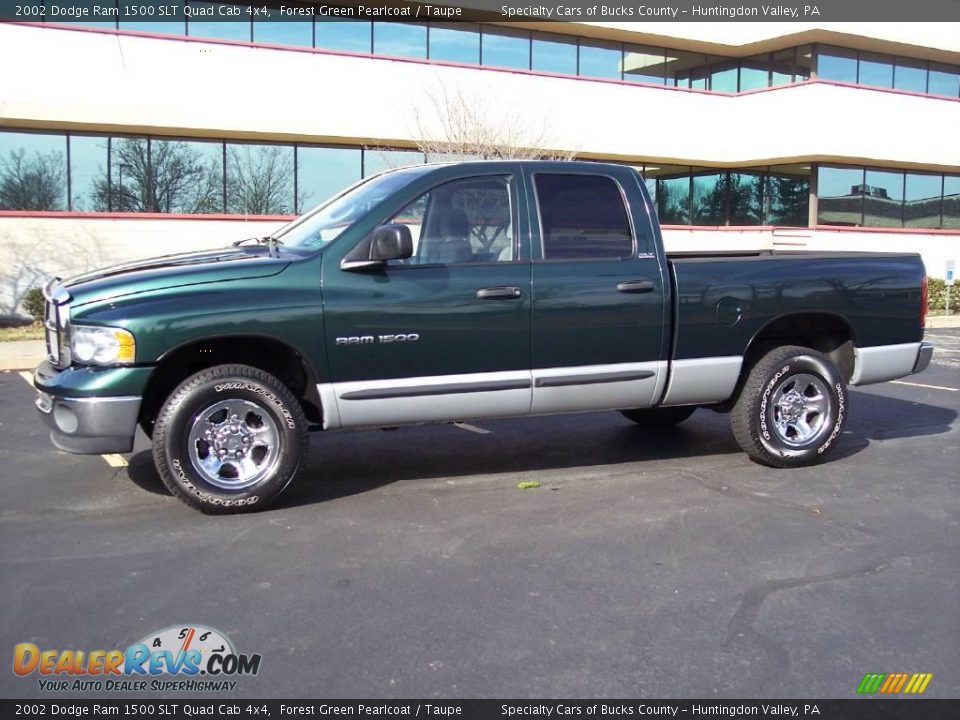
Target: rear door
column 445, row 334
column 599, row 318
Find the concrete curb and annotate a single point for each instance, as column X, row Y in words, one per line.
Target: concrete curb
column 22, row 354
column 943, row 321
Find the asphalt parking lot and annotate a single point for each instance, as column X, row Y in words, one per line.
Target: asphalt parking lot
column 409, row 564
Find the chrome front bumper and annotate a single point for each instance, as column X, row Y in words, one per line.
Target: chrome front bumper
column 90, row 426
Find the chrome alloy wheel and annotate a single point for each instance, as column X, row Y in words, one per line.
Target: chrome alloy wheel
column 234, row 444
column 800, row 409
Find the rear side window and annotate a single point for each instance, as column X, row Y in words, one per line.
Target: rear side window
column 582, row 217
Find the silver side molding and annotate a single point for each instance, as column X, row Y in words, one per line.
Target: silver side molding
column 700, row 381
column 883, row 362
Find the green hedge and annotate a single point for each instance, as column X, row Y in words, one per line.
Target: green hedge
column 937, row 295
column 33, row 303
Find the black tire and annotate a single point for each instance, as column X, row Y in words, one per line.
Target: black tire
column 792, row 408
column 661, row 417
column 261, row 451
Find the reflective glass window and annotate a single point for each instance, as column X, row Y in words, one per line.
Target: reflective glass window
column 90, row 20
column 211, row 20
column 582, row 217
column 277, row 29
column 951, row 202
column 835, row 63
column 685, row 69
column 88, row 172
column 755, row 72
column 921, row 206
column 505, row 48
column 323, row 172
column 746, row 197
column 883, row 199
column 644, row 64
column 944, row 80
column 788, row 196
column 910, row 75
column 186, row 177
column 554, row 53
column 782, row 67
column 840, row 196
column 377, row 160
column 400, row 39
column 260, row 179
column 709, row 198
column 600, row 59
column 804, row 62
column 455, row 42
column 125, row 186
column 345, row 35
column 876, row 70
column 33, row 171
column 673, row 199
column 722, row 74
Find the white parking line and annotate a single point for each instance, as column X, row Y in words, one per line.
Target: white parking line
column 26, row 376
column 114, row 460
column 472, row 428
column 928, row 387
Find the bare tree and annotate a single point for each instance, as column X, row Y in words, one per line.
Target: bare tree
column 451, row 125
column 36, row 182
column 260, row 180
column 158, row 176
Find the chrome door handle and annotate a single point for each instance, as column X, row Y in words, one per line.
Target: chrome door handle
column 635, row 286
column 499, row 293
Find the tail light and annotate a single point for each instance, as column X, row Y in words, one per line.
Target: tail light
column 924, row 290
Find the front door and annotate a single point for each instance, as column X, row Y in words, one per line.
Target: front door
column 445, row 334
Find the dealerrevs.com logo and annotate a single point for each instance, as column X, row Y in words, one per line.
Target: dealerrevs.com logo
column 188, row 658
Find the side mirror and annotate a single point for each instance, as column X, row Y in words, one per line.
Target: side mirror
column 391, row 242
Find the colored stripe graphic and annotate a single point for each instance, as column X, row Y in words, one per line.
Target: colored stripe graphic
column 894, row 683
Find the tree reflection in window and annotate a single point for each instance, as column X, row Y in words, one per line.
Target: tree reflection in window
column 33, row 174
column 260, row 179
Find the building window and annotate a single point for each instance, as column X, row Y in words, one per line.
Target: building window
column 883, row 199
column 600, row 59
column 875, row 70
column 455, row 43
column 910, row 75
column 951, row 202
column 673, row 199
column 505, row 48
column 128, row 20
column 554, row 54
column 835, row 63
column 644, row 64
column 582, row 217
column 921, row 205
column 746, row 197
column 788, row 196
column 33, row 171
column 344, row 35
column 755, row 72
column 324, row 172
column 259, row 179
column 400, row 39
column 186, row 176
column 840, row 192
column 944, row 80
column 279, row 30
column 88, row 163
column 709, row 198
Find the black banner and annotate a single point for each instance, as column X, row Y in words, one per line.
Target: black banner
column 854, row 709
column 147, row 11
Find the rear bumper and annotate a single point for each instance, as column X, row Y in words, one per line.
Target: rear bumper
column 923, row 358
column 90, row 426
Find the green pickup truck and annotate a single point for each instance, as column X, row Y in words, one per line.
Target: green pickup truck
column 443, row 293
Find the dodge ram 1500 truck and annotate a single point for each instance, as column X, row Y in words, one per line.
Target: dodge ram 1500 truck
column 450, row 292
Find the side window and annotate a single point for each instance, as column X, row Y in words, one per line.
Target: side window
column 582, row 217
column 464, row 221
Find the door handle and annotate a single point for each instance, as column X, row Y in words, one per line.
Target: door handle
column 635, row 286
column 499, row 293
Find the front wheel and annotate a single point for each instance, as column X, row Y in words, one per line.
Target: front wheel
column 229, row 439
column 791, row 409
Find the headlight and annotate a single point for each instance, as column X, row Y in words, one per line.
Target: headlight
column 102, row 345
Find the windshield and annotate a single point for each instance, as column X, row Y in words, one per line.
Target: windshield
column 325, row 222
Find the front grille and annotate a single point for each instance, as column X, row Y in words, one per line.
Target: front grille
column 55, row 315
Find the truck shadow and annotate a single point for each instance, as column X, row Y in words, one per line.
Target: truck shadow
column 341, row 464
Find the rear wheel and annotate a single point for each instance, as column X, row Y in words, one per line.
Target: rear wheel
column 791, row 409
column 229, row 439
column 661, row 417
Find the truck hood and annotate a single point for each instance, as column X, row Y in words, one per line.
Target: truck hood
column 169, row 271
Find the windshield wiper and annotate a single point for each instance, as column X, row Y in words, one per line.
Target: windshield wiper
column 269, row 240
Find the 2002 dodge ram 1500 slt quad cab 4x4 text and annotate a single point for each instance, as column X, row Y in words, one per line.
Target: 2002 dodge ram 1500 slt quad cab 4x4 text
column 450, row 292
